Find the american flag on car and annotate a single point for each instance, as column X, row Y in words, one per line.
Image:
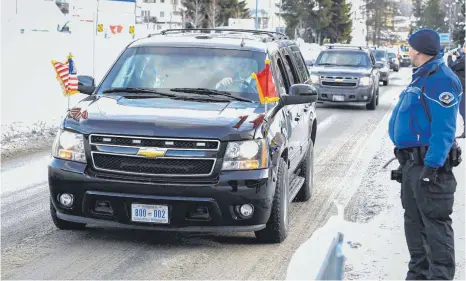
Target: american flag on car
column 67, row 76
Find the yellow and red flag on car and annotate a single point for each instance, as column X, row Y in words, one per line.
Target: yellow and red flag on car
column 265, row 86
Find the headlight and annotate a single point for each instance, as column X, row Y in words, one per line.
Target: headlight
column 69, row 146
column 245, row 155
column 365, row 81
column 315, row 79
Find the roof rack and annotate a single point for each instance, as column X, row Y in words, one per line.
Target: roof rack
column 333, row 46
column 271, row 34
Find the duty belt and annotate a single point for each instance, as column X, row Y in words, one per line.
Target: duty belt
column 416, row 156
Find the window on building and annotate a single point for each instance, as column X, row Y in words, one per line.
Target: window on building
column 162, row 14
column 162, row 1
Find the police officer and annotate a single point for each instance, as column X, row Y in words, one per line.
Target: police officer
column 422, row 127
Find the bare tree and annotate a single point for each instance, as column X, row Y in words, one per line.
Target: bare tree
column 212, row 12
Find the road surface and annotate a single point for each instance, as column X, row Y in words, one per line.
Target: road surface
column 32, row 248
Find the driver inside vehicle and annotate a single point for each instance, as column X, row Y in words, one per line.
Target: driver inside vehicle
column 240, row 78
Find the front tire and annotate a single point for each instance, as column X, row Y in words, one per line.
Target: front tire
column 373, row 104
column 307, row 172
column 276, row 229
column 64, row 225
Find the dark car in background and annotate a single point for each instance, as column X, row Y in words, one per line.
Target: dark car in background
column 394, row 62
column 346, row 74
column 381, row 58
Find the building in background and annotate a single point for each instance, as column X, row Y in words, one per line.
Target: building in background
column 160, row 14
column 268, row 14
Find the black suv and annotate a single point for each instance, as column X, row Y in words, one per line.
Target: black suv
column 347, row 74
column 175, row 138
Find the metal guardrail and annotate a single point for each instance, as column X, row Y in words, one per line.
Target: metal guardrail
column 334, row 264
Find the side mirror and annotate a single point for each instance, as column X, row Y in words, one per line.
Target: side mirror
column 86, row 80
column 86, row 84
column 300, row 94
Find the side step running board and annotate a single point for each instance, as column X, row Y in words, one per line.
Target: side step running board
column 295, row 184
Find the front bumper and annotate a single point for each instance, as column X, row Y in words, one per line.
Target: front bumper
column 405, row 61
column 384, row 76
column 351, row 95
column 219, row 196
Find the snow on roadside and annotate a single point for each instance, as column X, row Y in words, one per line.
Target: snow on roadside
column 32, row 102
column 372, row 224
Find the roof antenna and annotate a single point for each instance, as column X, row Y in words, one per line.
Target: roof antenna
column 242, row 42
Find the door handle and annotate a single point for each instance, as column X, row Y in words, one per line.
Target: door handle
column 297, row 117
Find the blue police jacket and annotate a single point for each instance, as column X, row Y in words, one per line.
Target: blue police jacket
column 409, row 126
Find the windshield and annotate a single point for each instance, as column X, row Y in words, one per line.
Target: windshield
column 379, row 55
column 344, row 58
column 391, row 55
column 165, row 68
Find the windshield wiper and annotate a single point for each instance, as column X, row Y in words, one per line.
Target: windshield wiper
column 138, row 90
column 327, row 64
column 209, row 92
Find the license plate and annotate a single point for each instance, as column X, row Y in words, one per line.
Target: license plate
column 149, row 213
column 338, row 98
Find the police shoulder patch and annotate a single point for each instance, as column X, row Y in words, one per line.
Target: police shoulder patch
column 446, row 98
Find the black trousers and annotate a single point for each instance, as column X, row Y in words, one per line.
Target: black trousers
column 427, row 223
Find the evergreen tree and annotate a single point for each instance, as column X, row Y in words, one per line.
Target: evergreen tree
column 433, row 17
column 458, row 32
column 291, row 14
column 339, row 30
column 379, row 21
column 232, row 9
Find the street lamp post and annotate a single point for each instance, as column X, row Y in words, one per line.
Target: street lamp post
column 257, row 20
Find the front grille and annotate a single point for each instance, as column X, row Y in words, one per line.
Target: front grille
column 161, row 166
column 154, row 142
column 339, row 81
column 338, row 84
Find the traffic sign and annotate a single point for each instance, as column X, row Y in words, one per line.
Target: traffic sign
column 100, row 27
column 444, row 37
column 131, row 29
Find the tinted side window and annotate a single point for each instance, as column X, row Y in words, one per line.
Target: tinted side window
column 372, row 58
column 288, row 71
column 293, row 69
column 283, row 75
column 301, row 65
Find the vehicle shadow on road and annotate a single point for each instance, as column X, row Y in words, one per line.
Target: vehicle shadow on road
column 166, row 238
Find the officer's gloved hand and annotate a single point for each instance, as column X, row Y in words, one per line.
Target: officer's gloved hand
column 428, row 174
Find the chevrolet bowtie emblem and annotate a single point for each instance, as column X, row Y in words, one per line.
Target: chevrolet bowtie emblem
column 152, row 152
column 338, row 80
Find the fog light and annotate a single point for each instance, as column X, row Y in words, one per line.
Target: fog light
column 365, row 97
column 66, row 199
column 246, row 210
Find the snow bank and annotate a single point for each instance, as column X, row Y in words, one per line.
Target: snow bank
column 32, row 102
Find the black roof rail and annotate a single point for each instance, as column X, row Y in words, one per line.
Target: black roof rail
column 272, row 35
